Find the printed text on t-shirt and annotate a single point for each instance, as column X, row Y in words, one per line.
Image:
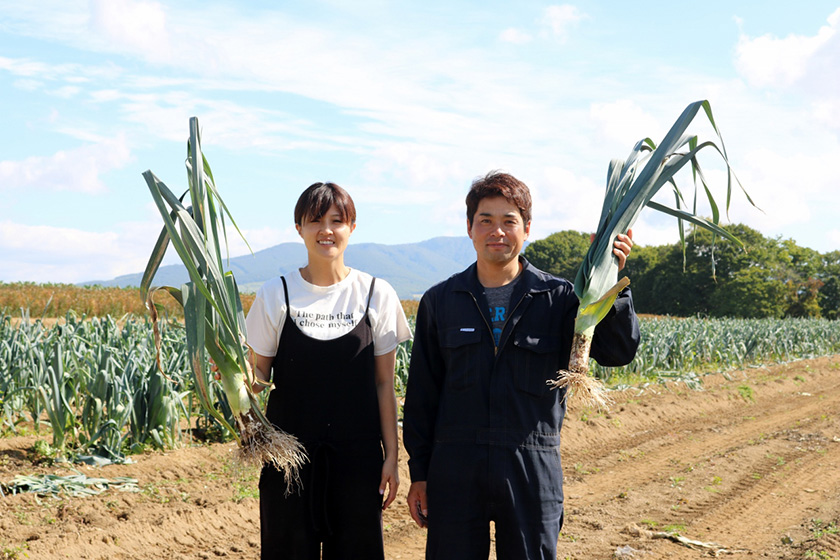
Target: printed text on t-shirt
column 305, row 319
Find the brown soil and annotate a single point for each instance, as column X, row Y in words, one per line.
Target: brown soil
column 751, row 463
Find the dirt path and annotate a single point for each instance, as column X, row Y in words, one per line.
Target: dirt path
column 752, row 463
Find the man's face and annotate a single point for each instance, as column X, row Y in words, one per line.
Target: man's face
column 498, row 232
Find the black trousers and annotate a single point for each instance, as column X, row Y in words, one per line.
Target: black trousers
column 338, row 505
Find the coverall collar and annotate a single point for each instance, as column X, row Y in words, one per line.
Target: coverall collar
column 530, row 280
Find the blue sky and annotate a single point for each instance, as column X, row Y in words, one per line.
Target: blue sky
column 402, row 103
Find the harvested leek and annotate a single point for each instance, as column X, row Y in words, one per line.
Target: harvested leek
column 631, row 185
column 213, row 314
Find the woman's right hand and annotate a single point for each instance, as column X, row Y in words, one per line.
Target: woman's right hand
column 390, row 480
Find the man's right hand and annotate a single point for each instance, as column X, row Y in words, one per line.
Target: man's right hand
column 417, row 503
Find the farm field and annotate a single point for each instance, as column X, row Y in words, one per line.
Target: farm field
column 751, row 463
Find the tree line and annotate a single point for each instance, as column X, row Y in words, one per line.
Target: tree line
column 714, row 277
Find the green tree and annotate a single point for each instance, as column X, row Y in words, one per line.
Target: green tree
column 768, row 277
column 749, row 293
column 643, row 265
column 730, row 258
column 802, row 298
column 830, row 298
column 711, row 274
column 829, row 295
column 799, row 269
column 560, row 254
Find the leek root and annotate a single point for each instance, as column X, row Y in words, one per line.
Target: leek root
column 577, row 381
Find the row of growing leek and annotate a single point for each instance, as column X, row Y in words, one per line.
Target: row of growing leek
column 97, row 386
column 93, row 389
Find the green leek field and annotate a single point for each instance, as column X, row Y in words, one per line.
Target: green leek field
column 94, row 384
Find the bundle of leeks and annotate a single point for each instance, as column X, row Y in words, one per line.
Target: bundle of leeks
column 213, row 314
column 631, row 186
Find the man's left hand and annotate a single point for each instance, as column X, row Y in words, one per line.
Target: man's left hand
column 621, row 247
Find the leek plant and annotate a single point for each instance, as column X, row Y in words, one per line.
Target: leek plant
column 58, row 402
column 96, row 383
column 213, row 314
column 631, row 186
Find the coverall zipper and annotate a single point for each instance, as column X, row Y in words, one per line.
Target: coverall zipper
column 504, row 325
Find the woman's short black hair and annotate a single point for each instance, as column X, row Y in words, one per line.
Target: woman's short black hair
column 316, row 200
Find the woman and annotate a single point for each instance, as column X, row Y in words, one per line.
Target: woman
column 329, row 333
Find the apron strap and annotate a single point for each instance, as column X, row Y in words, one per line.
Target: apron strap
column 285, row 292
column 370, row 294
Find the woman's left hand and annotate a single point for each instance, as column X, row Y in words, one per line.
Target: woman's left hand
column 391, row 479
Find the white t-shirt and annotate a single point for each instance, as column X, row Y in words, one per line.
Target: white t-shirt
column 327, row 312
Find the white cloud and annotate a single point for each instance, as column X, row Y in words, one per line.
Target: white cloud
column 46, row 19
column 53, row 241
column 416, row 119
column 560, row 19
column 35, row 75
column 28, row 85
column 515, row 36
column 24, row 67
column 77, row 170
column 42, row 71
column 226, row 123
column 430, row 103
column 807, row 61
column 52, row 254
column 279, row 53
column 66, row 91
column 563, row 200
column 135, row 26
column 413, row 167
column 827, row 112
column 769, row 61
column 784, row 185
column 43, row 253
column 623, row 121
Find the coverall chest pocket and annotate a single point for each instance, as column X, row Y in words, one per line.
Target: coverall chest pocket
column 536, row 361
column 461, row 348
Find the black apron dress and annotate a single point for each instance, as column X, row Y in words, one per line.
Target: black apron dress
column 325, row 395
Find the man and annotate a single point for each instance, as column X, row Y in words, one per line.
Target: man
column 482, row 427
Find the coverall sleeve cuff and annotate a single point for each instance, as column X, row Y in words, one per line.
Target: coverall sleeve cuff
column 418, row 473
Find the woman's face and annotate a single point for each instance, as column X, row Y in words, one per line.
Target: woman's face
column 326, row 237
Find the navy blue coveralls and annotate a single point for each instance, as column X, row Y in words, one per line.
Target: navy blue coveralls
column 481, row 426
column 325, row 395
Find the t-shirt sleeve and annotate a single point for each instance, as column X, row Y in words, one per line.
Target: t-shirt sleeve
column 390, row 327
column 264, row 321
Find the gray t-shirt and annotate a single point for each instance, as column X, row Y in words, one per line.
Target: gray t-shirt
column 499, row 301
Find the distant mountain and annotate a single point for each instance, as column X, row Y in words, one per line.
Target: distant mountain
column 411, row 268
